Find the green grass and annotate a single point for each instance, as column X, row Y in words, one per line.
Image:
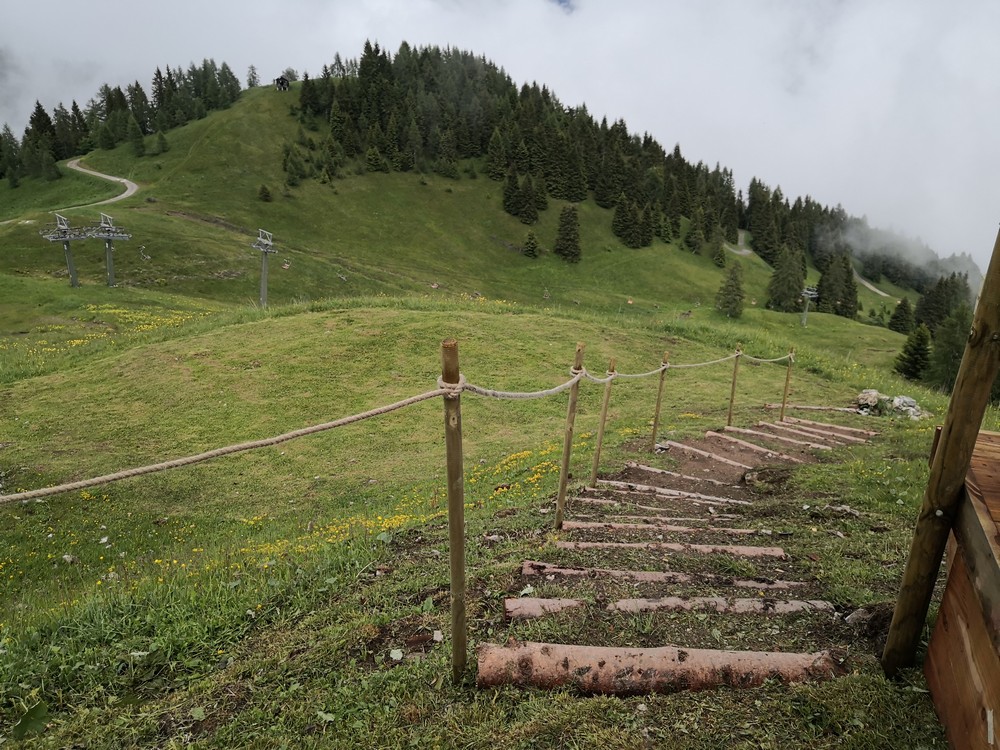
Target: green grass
column 34, row 195
column 255, row 600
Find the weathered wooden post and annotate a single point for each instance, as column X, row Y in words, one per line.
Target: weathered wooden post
column 604, row 419
column 456, row 507
column 788, row 382
column 574, row 393
column 949, row 466
column 659, row 401
column 732, row 393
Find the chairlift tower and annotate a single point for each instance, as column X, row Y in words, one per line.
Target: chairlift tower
column 108, row 232
column 808, row 294
column 265, row 244
column 62, row 232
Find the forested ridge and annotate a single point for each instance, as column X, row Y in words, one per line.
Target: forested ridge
column 458, row 115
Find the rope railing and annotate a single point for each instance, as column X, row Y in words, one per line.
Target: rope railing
column 451, row 385
column 450, row 390
column 218, row 452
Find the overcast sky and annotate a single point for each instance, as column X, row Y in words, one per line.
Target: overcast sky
column 888, row 107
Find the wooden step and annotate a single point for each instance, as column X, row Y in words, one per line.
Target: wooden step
column 779, row 438
column 634, row 671
column 535, row 568
column 721, row 605
column 667, row 492
column 828, row 426
column 664, row 527
column 754, row 447
column 696, row 549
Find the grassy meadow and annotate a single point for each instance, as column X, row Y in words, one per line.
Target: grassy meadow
column 257, row 600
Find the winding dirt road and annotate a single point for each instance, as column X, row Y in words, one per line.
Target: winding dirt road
column 130, row 187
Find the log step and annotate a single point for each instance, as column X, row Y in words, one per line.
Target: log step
column 721, row 604
column 779, row 438
column 704, row 454
column 811, row 433
column 630, row 671
column 618, row 504
column 828, row 426
column 754, row 447
column 699, row 549
column 655, row 470
column 535, row 568
column 648, row 488
column 667, row 527
column 530, row 607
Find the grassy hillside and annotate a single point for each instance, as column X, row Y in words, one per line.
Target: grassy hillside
column 254, row 600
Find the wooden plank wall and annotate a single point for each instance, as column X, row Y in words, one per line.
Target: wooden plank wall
column 962, row 666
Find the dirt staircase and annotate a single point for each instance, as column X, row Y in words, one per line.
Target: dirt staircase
column 692, row 554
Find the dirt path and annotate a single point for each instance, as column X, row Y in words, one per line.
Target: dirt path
column 869, row 285
column 130, row 187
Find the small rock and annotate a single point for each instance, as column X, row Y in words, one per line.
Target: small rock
column 858, row 617
column 70, row 559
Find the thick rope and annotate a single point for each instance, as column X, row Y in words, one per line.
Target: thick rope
column 239, row 448
column 705, row 364
column 448, row 390
column 489, row 393
column 766, row 361
column 657, row 371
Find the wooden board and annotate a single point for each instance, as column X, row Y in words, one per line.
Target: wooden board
column 963, row 666
column 984, row 473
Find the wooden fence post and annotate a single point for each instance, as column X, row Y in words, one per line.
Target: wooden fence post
column 456, row 508
column 732, row 393
column 604, row 419
column 788, row 382
column 950, row 464
column 574, row 393
column 659, row 401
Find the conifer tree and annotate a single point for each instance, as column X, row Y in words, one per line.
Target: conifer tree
column 541, row 197
column 718, row 248
column 373, row 160
column 784, row 291
column 496, row 156
column 912, row 361
column 646, row 227
column 729, row 298
column 253, row 80
column 531, row 245
column 264, row 193
column 949, row 348
column 901, row 320
column 512, row 194
column 832, row 288
column 135, row 138
column 528, row 213
column 694, row 239
column 567, row 244
column 620, row 218
column 161, row 143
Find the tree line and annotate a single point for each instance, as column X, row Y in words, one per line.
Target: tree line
column 446, row 111
column 114, row 116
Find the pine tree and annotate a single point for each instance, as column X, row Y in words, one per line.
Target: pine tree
column 831, row 288
column 135, row 137
column 949, row 348
column 496, row 156
column 531, row 245
column 902, row 317
column 620, row 218
column 528, row 213
column 512, row 194
column 729, row 298
column 264, row 193
column 567, row 244
column 541, row 197
column 694, row 239
column 253, row 80
column 161, row 143
column 646, row 227
column 912, row 361
column 784, row 291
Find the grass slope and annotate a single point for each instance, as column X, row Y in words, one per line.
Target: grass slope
column 256, row 600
